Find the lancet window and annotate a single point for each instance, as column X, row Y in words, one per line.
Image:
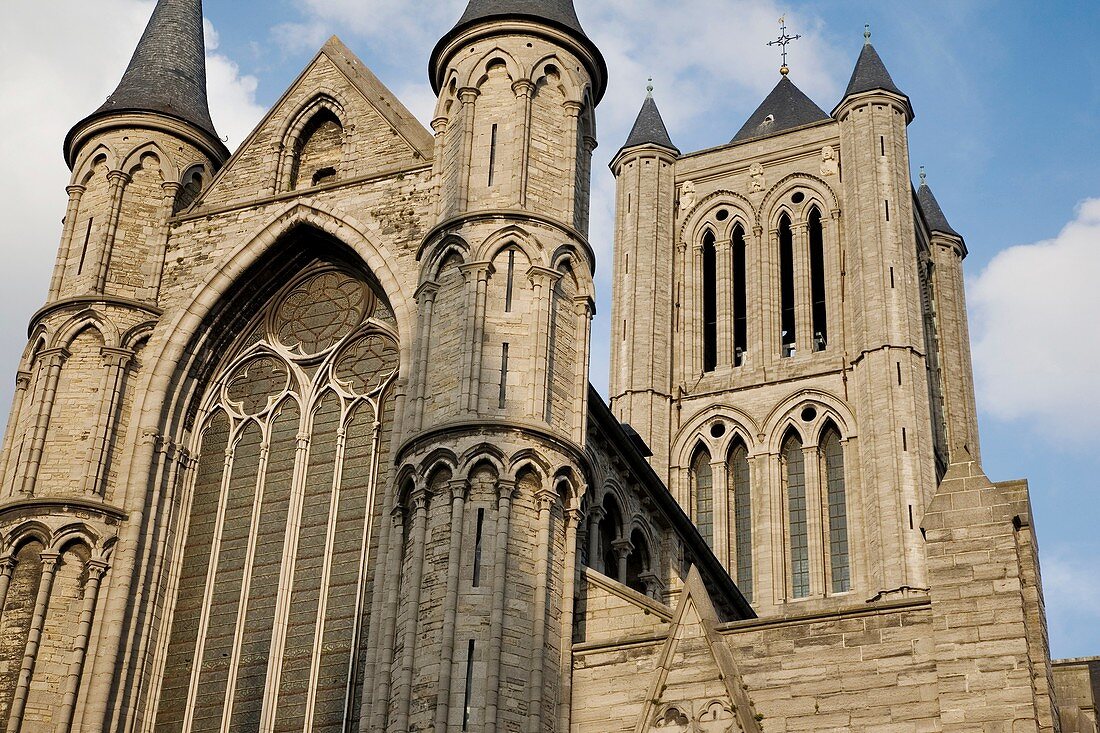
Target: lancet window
column 702, row 479
column 818, row 310
column 794, row 479
column 737, row 473
column 710, row 304
column 787, row 319
column 270, row 603
column 832, row 463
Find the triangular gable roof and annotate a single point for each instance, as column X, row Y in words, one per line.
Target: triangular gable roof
column 413, row 136
column 694, row 627
column 786, row 108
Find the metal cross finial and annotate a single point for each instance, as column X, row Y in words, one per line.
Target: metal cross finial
column 783, row 41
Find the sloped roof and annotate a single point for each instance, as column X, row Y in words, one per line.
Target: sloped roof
column 786, row 108
column 870, row 74
column 649, row 128
column 560, row 14
column 933, row 214
column 167, row 73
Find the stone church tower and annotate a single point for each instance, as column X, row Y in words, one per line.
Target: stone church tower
column 303, row 438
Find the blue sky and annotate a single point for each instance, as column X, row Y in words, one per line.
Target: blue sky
column 1007, row 97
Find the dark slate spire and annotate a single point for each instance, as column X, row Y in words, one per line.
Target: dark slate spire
column 784, row 109
column 933, row 214
column 649, row 128
column 870, row 74
column 167, row 73
column 559, row 14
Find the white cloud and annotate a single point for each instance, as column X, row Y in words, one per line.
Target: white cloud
column 1034, row 310
column 71, row 54
column 1072, row 599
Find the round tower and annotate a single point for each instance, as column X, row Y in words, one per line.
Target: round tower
column 480, row 556
column 145, row 154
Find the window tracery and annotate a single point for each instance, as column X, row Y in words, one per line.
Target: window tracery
column 289, row 447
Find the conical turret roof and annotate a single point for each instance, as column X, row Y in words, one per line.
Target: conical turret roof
column 167, row 73
column 933, row 214
column 870, row 74
column 558, row 14
column 786, row 108
column 649, row 128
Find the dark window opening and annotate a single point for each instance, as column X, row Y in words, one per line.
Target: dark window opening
column 786, row 286
column 904, row 440
column 84, row 249
column 882, row 145
column 899, row 373
column 710, row 305
column 609, row 532
column 469, row 686
column 511, row 280
column 492, row 155
column 324, row 175
column 703, row 478
column 891, row 277
column 637, row 564
column 887, row 210
column 794, row 476
column 503, row 374
column 477, row 547
column 817, row 282
column 740, row 298
column 738, row 472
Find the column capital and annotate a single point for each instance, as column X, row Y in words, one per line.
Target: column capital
column 596, row 513
column 506, row 489
column 114, row 356
column 7, row 564
column 98, row 568
column 418, row 499
column 426, row 292
column 546, row 499
column 477, row 270
column 590, row 143
column 22, row 380
column 75, row 190
column 171, row 187
column 439, row 124
column 541, row 275
column 460, row 488
column 50, row 559
column 118, row 177
column 56, row 356
column 573, row 108
column 622, row 547
column 468, row 95
column 523, row 87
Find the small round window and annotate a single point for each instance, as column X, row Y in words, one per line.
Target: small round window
column 722, row 215
column 717, row 430
column 798, row 197
column 809, row 414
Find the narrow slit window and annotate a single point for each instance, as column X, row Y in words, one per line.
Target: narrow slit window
column 882, row 145
column 887, row 202
column 904, row 440
column 891, row 277
column 710, row 305
column 910, row 516
column 817, row 281
column 627, row 263
column 469, row 693
column 511, row 281
column 503, row 375
column 477, row 547
column 786, row 286
column 899, row 373
column 629, row 202
column 624, row 329
column 740, row 298
column 84, row 249
column 492, row 155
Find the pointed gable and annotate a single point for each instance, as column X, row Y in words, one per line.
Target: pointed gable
column 649, row 128
column 786, row 108
column 376, row 133
column 697, row 685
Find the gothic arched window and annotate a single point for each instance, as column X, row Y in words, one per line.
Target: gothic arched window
column 737, row 469
column 794, row 479
column 740, row 297
column 786, row 286
column 710, row 304
column 832, row 463
column 817, row 281
column 290, row 445
column 319, row 151
column 702, row 480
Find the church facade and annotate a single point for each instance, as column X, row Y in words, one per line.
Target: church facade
column 303, row 437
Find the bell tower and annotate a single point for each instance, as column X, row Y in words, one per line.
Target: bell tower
column 477, row 634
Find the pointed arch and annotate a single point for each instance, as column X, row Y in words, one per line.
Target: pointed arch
column 136, row 159
column 568, row 84
column 702, row 491
column 787, row 286
column 818, row 298
column 831, row 456
column 709, row 313
column 794, row 486
column 497, row 55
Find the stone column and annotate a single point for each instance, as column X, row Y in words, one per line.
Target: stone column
column 569, row 590
column 720, row 518
column 653, row 585
column 118, row 181
column 425, row 297
column 595, row 560
column 803, row 315
column 459, row 491
column 96, row 570
column 171, row 191
column 53, row 360
column 467, row 96
column 571, row 155
column 622, row 547
column 817, row 524
column 50, row 561
column 506, row 490
column 590, row 145
column 66, row 249
column 439, row 127
column 386, row 666
column 584, row 310
column 723, row 271
column 546, row 501
column 7, row 567
column 542, row 283
column 22, row 384
column 419, row 502
column 524, row 90
column 762, row 348
column 693, row 309
column 477, row 346
column 115, row 363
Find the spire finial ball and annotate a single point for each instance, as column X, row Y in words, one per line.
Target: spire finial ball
column 784, row 70
column 867, row 34
column 923, row 176
column 649, row 87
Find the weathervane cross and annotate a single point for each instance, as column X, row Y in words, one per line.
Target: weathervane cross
column 783, row 41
